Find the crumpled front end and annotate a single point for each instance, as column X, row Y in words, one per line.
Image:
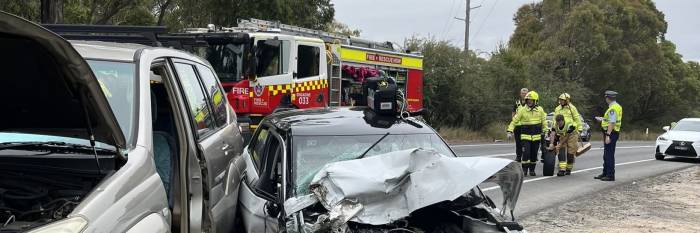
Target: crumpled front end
column 408, row 191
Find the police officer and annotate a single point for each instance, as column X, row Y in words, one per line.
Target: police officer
column 520, row 103
column 611, row 123
column 532, row 121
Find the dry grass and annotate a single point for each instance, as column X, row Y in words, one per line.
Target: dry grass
column 631, row 135
column 492, row 132
column 452, row 134
column 496, row 131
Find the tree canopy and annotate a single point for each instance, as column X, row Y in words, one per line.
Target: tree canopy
column 582, row 47
column 176, row 14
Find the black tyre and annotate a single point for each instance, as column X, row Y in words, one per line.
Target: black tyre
column 548, row 163
column 587, row 138
column 658, row 154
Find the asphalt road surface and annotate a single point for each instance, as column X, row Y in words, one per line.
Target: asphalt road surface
column 634, row 161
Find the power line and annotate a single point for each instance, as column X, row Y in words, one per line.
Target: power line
column 449, row 28
column 449, row 20
column 485, row 19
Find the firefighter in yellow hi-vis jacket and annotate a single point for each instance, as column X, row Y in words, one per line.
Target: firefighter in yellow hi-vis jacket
column 573, row 118
column 565, row 144
column 532, row 121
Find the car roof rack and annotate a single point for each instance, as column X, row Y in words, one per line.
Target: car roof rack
column 157, row 36
column 111, row 33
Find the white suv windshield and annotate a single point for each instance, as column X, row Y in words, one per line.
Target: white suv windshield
column 311, row 153
column 118, row 84
column 687, row 126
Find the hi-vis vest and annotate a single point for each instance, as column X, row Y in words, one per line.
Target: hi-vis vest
column 519, row 104
column 570, row 114
column 531, row 121
column 618, row 112
column 562, row 132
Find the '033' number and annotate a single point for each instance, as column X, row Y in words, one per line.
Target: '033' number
column 304, row 100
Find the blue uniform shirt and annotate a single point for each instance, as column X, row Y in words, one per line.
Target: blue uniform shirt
column 612, row 116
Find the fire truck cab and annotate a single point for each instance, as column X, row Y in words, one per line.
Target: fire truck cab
column 267, row 66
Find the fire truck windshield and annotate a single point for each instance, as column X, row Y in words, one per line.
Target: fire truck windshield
column 226, row 58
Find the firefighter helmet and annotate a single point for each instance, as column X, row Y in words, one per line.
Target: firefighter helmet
column 532, row 95
column 565, row 96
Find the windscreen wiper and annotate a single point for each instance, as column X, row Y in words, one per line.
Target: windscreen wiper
column 52, row 146
column 372, row 146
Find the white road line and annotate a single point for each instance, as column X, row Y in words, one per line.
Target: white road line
column 574, row 172
column 513, row 154
column 494, row 144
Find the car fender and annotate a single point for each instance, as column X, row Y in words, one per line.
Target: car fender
column 154, row 222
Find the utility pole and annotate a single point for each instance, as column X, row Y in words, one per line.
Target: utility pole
column 466, row 30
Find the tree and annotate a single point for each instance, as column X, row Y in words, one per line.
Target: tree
column 343, row 29
column 589, row 46
column 314, row 14
column 51, row 11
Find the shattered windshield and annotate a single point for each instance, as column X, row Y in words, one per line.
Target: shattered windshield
column 311, row 153
column 227, row 60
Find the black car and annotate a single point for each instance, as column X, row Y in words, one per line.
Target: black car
column 292, row 150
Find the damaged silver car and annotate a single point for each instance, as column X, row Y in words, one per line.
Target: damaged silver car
column 351, row 170
column 108, row 137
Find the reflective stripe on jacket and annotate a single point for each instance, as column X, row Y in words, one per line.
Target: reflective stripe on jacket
column 531, row 122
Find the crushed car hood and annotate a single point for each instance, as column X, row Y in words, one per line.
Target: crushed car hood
column 390, row 186
column 57, row 110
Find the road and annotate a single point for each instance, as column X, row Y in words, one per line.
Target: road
column 634, row 161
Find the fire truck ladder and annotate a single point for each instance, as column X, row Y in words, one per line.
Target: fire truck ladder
column 328, row 37
column 335, row 76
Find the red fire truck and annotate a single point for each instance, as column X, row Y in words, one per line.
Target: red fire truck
column 265, row 66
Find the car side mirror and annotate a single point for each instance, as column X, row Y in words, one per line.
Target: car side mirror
column 667, row 128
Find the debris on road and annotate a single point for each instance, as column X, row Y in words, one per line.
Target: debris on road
column 667, row 203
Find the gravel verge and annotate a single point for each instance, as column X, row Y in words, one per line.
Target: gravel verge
column 666, row 203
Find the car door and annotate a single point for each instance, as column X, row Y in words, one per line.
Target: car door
column 273, row 72
column 215, row 150
column 224, row 147
column 256, row 209
column 310, row 84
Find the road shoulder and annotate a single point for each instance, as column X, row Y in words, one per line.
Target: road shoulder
column 666, row 203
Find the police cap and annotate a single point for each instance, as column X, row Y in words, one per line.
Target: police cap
column 609, row 93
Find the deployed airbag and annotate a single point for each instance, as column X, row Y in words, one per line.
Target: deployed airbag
column 392, row 185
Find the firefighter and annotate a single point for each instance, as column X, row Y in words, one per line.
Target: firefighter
column 566, row 141
column 520, row 103
column 611, row 123
column 572, row 117
column 532, row 121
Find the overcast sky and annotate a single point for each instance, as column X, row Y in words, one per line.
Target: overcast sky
column 492, row 23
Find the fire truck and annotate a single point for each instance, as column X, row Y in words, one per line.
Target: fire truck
column 267, row 66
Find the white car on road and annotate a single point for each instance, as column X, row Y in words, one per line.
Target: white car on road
column 682, row 140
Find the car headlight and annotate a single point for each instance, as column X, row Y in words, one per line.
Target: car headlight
column 69, row 225
column 662, row 138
